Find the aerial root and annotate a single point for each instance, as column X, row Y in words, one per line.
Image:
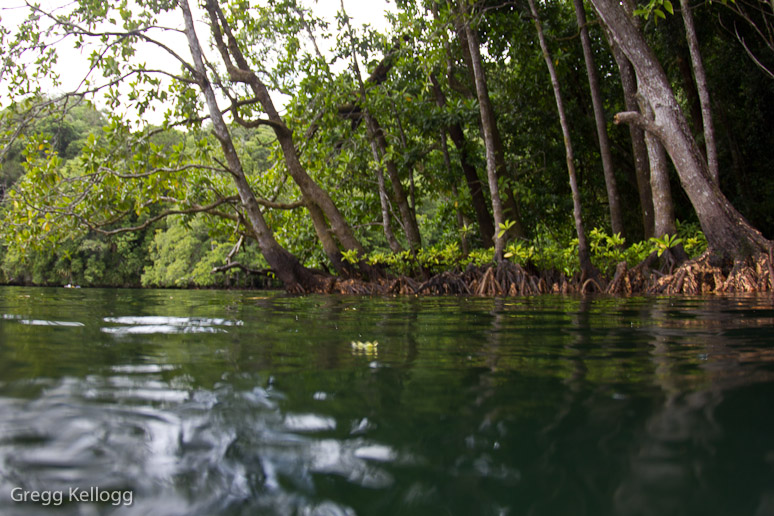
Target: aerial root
column 620, row 284
column 445, row 283
column 585, row 289
column 697, row 276
column 700, row 277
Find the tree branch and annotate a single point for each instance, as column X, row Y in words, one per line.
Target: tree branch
column 636, row 118
column 237, row 265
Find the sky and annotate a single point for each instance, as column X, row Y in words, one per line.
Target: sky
column 72, row 64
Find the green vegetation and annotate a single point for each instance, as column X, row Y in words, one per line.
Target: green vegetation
column 408, row 151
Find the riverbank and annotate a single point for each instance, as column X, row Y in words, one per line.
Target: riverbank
column 698, row 276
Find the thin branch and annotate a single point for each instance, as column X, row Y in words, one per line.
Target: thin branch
column 76, row 29
column 237, row 265
column 150, row 221
column 160, row 170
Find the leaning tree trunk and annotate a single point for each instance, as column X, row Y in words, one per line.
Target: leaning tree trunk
column 376, row 134
column 293, row 275
column 484, row 219
column 377, row 139
column 729, row 235
column 701, row 85
column 614, row 200
column 239, row 71
column 384, row 200
column 587, row 269
column 487, row 121
column 509, row 202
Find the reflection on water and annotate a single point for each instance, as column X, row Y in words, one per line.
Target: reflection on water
column 151, row 324
column 230, row 403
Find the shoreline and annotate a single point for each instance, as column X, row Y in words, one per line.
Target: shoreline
column 693, row 277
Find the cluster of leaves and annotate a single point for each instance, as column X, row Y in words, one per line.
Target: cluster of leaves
column 88, row 261
column 185, row 253
column 180, row 252
column 544, row 252
column 76, row 168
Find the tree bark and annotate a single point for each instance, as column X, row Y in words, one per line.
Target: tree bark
column 584, row 255
column 663, row 208
column 509, row 201
column 384, row 200
column 487, row 121
column 701, row 85
column 293, row 275
column 376, row 136
column 408, row 219
column 239, row 71
column 639, row 148
column 729, row 235
column 478, row 200
column 614, row 201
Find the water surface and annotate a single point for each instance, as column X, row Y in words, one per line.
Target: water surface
column 243, row 403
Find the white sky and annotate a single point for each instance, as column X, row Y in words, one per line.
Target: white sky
column 73, row 64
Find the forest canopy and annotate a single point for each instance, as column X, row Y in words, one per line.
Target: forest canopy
column 242, row 143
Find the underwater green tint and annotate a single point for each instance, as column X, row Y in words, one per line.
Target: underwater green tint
column 244, row 403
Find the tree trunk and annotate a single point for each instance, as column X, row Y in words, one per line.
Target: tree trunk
column 509, row 202
column 487, row 121
column 408, row 219
column 663, row 206
column 311, row 191
column 614, row 201
column 461, row 225
column 384, row 201
column 293, row 275
column 587, row 269
column 729, row 235
column 478, row 200
column 639, row 149
column 701, row 85
column 329, row 245
column 377, row 138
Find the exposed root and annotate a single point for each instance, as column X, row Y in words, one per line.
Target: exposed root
column 620, row 283
column 697, row 276
column 402, row 285
column 700, row 277
column 586, row 288
column 445, row 283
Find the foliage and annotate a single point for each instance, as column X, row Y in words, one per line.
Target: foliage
column 544, row 252
column 73, row 176
column 184, row 254
column 87, row 261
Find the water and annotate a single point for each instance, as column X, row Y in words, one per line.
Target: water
column 243, row 403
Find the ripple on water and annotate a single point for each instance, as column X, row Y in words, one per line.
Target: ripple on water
column 147, row 325
column 180, row 450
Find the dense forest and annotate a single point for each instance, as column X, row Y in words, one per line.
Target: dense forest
column 474, row 146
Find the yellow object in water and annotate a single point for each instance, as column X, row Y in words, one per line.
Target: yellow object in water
column 365, row 346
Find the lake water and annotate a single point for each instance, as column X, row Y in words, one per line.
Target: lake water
column 247, row 403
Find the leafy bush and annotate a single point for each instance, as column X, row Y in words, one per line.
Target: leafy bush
column 544, row 252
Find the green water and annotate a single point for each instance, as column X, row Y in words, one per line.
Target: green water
column 247, row 403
